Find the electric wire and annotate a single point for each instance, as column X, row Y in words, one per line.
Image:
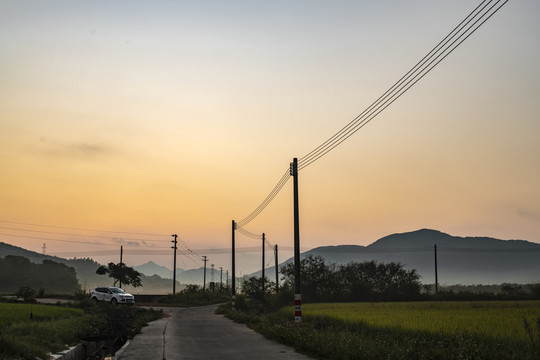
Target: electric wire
column 82, row 235
column 389, row 91
column 266, row 201
column 73, row 241
column 81, row 229
column 406, row 82
column 249, row 234
column 189, row 273
column 444, row 48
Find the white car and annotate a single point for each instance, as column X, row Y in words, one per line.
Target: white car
column 112, row 294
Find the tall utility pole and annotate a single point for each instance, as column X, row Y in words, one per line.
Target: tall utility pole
column 204, row 274
column 212, row 283
column 233, row 284
column 276, row 266
column 174, row 266
column 436, row 275
column 220, row 278
column 227, row 278
column 121, row 253
column 262, row 264
column 44, row 248
column 297, row 292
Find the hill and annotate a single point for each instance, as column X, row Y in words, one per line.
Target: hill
column 151, row 268
column 85, row 269
column 53, row 277
column 460, row 260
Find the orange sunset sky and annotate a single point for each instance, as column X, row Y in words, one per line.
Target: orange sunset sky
column 170, row 117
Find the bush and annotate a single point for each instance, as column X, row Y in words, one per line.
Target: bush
column 26, row 293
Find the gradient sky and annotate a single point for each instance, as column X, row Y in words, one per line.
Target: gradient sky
column 177, row 117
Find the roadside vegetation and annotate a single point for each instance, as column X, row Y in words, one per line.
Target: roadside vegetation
column 396, row 318
column 415, row 330
column 195, row 295
column 29, row 330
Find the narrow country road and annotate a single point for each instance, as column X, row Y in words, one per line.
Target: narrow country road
column 197, row 333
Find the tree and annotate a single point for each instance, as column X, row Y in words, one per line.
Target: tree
column 318, row 280
column 364, row 280
column 352, row 282
column 26, row 293
column 121, row 273
column 252, row 287
column 52, row 277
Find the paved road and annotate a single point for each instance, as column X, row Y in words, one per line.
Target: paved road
column 197, row 333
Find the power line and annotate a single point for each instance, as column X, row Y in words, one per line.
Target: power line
column 455, row 38
column 249, row 234
column 74, row 241
column 81, row 229
column 266, row 201
column 71, row 234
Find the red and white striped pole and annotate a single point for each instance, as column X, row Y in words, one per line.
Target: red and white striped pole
column 297, row 308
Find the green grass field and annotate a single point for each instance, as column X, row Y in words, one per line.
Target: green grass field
column 29, row 330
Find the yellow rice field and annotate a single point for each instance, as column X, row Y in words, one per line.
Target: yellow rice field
column 493, row 319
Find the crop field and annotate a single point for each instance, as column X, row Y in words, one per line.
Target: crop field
column 407, row 330
column 11, row 313
column 30, row 329
column 499, row 320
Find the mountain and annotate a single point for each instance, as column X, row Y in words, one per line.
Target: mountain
column 85, row 269
column 460, row 260
column 53, row 277
column 151, row 268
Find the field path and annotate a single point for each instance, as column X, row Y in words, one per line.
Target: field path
column 197, row 333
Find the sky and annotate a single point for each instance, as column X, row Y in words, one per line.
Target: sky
column 126, row 118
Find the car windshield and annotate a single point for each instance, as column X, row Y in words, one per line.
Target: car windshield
column 117, row 290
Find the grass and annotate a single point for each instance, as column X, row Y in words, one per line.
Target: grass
column 28, row 331
column 494, row 320
column 416, row 330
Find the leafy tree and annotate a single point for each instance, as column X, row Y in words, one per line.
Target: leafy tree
column 318, row 280
column 51, row 276
column 368, row 279
column 353, row 282
column 26, row 293
column 121, row 273
column 535, row 291
column 252, row 287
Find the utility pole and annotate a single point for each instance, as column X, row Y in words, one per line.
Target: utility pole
column 220, row 278
column 262, row 264
column 297, row 291
column 174, row 266
column 43, row 248
column 233, row 284
column 212, row 283
column 121, row 253
column 204, row 274
column 276, row 266
column 436, row 275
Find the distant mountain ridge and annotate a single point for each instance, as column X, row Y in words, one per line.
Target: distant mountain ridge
column 461, row 260
column 85, row 269
column 151, row 268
